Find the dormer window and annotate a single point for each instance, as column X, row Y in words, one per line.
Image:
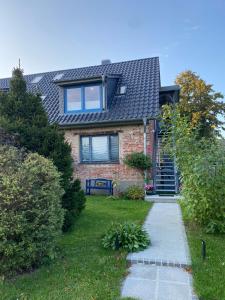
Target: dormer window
column 83, row 98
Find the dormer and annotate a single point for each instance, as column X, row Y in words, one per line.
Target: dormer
column 85, row 95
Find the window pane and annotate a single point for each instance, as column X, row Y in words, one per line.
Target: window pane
column 92, row 97
column 85, row 149
column 114, row 150
column 100, row 148
column 73, row 99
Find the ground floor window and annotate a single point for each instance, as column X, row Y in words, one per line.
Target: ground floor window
column 101, row 148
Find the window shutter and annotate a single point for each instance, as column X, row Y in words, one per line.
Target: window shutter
column 114, row 147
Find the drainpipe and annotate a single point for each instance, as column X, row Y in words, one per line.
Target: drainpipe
column 145, row 146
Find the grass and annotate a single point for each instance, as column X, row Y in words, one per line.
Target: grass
column 86, row 271
column 209, row 275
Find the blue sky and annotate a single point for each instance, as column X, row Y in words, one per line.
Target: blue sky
column 52, row 34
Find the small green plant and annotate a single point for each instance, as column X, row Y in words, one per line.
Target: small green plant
column 134, row 192
column 138, row 160
column 128, row 236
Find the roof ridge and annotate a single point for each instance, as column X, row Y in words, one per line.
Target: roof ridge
column 92, row 66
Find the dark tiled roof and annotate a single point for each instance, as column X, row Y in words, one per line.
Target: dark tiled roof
column 142, row 78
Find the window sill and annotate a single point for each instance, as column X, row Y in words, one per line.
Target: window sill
column 100, row 163
column 77, row 112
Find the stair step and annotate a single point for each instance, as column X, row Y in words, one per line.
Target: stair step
column 164, row 166
column 165, row 163
column 168, row 173
column 161, row 175
column 165, row 180
column 158, row 190
column 165, row 184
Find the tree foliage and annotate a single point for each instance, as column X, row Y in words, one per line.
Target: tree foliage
column 200, row 104
column 202, row 166
column 23, row 113
column 31, row 215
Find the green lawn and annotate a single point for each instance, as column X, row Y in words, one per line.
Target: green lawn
column 86, row 271
column 209, row 275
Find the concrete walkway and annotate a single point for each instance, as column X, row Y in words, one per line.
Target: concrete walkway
column 158, row 273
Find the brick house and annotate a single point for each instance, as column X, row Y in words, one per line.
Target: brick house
column 108, row 111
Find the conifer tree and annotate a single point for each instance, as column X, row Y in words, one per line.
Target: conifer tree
column 22, row 113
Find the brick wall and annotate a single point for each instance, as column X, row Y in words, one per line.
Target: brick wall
column 131, row 138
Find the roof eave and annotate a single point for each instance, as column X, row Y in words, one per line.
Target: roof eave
column 106, row 123
column 77, row 81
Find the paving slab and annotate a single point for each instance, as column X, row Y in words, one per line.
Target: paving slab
column 168, row 238
column 158, row 273
column 157, row 283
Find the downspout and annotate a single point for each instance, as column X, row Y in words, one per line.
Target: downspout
column 145, row 147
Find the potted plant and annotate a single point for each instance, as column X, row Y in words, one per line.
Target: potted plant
column 149, row 188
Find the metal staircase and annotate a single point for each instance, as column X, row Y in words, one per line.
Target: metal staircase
column 165, row 171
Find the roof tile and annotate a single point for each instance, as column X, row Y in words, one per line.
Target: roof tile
column 142, row 78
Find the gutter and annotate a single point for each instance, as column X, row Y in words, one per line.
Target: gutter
column 104, row 122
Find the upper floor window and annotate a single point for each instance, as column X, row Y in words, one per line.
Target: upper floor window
column 83, row 98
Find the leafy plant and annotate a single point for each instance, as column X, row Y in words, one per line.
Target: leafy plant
column 31, row 215
column 128, row 236
column 134, row 192
column 202, row 166
column 22, row 113
column 138, row 160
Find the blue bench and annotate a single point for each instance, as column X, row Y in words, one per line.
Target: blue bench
column 99, row 184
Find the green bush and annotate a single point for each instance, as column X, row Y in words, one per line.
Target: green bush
column 134, row 192
column 74, row 203
column 128, row 236
column 201, row 162
column 138, row 160
column 31, row 215
column 203, row 187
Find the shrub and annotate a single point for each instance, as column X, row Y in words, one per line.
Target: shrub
column 74, row 203
column 134, row 192
column 31, row 215
column 128, row 236
column 203, row 187
column 202, row 165
column 138, row 161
